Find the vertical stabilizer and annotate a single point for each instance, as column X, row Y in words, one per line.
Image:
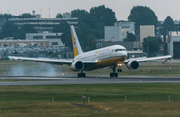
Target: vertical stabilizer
column 75, row 42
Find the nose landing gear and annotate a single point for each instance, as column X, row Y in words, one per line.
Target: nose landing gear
column 114, row 74
column 114, row 69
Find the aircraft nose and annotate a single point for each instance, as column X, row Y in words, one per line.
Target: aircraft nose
column 125, row 53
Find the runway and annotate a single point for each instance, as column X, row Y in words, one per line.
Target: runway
column 66, row 80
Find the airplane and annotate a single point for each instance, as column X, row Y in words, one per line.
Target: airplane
column 111, row 56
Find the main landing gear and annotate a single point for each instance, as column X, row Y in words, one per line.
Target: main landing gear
column 115, row 74
column 81, row 74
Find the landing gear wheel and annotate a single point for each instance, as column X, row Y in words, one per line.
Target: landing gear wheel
column 113, row 74
column 81, row 75
column 119, row 70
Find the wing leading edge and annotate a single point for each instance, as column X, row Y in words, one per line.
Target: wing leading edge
column 51, row 61
column 44, row 60
column 143, row 59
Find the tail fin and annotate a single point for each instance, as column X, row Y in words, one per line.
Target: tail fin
column 75, row 42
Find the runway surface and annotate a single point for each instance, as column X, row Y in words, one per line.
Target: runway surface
column 43, row 80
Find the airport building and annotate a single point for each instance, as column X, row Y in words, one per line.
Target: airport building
column 114, row 35
column 118, row 32
column 16, row 43
column 35, row 39
column 42, row 24
column 146, row 31
column 173, row 42
column 53, row 38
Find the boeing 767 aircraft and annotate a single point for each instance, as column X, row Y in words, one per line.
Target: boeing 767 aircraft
column 105, row 57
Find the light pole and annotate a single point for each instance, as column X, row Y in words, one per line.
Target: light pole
column 148, row 48
column 41, row 13
column 49, row 12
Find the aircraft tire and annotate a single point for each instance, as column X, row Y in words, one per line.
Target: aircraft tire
column 111, row 74
column 115, row 74
column 83, row 75
column 119, row 70
column 79, row 75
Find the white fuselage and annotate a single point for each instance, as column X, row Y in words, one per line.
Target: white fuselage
column 103, row 53
column 108, row 56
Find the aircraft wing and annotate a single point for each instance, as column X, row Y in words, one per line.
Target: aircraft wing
column 51, row 61
column 143, row 59
column 44, row 60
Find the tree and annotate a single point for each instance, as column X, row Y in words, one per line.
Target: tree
column 59, row 15
column 9, row 28
column 130, row 37
column 62, row 27
column 26, row 15
column 28, row 28
column 66, row 36
column 66, row 39
column 142, row 15
column 6, row 16
column 151, row 46
column 21, row 33
column 103, row 14
column 168, row 25
column 84, row 16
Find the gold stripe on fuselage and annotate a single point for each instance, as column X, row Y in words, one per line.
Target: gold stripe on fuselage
column 106, row 63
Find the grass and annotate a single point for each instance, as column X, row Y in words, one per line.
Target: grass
column 105, row 100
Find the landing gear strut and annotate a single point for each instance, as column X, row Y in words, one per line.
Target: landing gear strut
column 114, row 74
column 81, row 74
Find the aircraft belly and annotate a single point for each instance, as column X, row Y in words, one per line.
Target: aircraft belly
column 105, row 63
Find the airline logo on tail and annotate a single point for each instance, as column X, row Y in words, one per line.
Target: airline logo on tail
column 74, row 42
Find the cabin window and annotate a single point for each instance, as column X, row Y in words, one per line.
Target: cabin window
column 120, row 50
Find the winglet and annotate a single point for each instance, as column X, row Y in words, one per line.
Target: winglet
column 75, row 42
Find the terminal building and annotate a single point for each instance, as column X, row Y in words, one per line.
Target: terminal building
column 15, row 43
column 42, row 24
column 35, row 39
column 53, row 38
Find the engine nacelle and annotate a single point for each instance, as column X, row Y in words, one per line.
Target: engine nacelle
column 132, row 65
column 77, row 66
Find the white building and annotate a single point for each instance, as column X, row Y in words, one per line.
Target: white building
column 44, row 24
column 53, row 38
column 146, row 31
column 173, row 41
column 118, row 32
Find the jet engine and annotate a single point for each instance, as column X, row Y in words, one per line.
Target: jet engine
column 77, row 66
column 132, row 65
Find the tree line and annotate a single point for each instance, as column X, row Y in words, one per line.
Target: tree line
column 91, row 25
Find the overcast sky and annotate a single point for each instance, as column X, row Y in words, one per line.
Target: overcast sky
column 162, row 8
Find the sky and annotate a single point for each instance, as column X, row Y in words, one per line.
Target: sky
column 122, row 8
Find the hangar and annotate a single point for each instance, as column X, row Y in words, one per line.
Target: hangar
column 174, row 44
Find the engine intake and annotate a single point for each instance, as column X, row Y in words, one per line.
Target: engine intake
column 132, row 65
column 78, row 65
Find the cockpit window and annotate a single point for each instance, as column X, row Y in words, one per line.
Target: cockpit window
column 120, row 50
